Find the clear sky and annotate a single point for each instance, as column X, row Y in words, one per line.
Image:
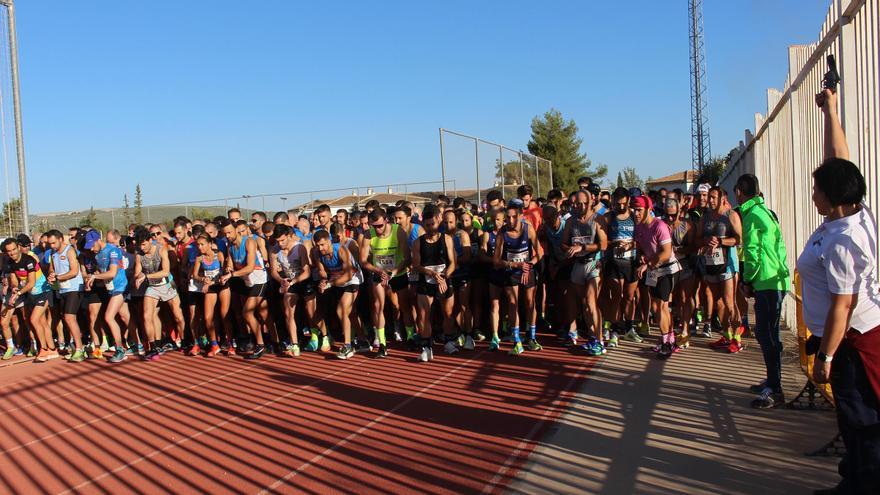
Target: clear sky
column 203, row 99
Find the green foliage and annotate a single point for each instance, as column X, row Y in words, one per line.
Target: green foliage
column 126, row 211
column 557, row 140
column 91, row 220
column 11, row 218
column 138, row 205
column 201, row 213
column 628, row 177
column 713, row 170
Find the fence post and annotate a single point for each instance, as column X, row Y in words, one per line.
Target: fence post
column 442, row 162
column 477, row 160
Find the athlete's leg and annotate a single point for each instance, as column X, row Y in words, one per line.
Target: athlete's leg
column 249, row 313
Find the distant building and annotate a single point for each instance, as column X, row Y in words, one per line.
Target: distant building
column 683, row 180
column 355, row 200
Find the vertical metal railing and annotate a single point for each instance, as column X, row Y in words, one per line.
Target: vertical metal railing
column 787, row 143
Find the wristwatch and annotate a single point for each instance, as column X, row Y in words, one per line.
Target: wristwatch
column 825, row 358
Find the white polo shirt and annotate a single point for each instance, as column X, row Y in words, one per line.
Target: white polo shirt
column 841, row 258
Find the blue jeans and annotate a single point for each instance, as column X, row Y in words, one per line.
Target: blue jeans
column 768, row 307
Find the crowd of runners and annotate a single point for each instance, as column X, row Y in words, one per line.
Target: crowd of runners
column 591, row 267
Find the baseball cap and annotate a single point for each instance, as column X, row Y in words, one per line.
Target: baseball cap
column 594, row 189
column 92, row 237
column 635, row 192
column 516, row 203
column 703, row 188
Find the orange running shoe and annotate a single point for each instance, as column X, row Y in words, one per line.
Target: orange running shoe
column 230, row 351
column 97, row 353
column 720, row 343
column 195, row 350
column 215, row 349
column 42, row 356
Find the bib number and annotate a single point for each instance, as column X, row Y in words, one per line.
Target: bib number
column 385, row 262
column 436, row 269
column 518, row 257
column 651, row 278
column 714, row 257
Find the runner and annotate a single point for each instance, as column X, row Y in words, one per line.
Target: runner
column 110, row 282
column 385, row 258
column 245, row 272
column 27, row 287
column 557, row 267
column 206, row 273
column 407, row 298
column 65, row 277
column 495, row 271
column 683, row 233
column 290, row 268
column 584, row 237
column 718, row 234
column 460, row 281
column 339, row 279
column 620, row 267
column 518, row 252
column 152, row 279
column 433, row 258
column 657, row 269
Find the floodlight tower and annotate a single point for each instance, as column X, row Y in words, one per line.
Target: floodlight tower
column 16, row 105
column 700, row 149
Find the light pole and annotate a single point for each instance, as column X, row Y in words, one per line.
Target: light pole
column 16, row 105
column 283, row 204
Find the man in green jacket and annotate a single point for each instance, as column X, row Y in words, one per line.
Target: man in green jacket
column 765, row 277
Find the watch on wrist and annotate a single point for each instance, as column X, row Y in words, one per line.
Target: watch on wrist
column 825, row 358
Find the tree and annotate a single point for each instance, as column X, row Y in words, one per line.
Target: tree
column 126, row 210
column 201, row 213
column 11, row 218
column 91, row 220
column 138, row 205
column 713, row 170
column 628, row 178
column 556, row 139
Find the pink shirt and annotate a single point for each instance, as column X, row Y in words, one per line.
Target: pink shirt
column 651, row 236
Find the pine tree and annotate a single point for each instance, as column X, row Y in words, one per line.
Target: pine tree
column 138, row 205
column 126, row 210
column 556, row 139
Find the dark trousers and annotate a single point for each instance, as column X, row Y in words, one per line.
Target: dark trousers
column 858, row 417
column 768, row 306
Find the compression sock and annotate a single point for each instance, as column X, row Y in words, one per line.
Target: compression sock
column 410, row 332
column 516, row 337
column 532, row 331
column 380, row 334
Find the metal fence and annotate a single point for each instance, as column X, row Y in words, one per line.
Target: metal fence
column 787, row 144
column 296, row 201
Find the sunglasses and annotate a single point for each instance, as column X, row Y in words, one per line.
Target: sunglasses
column 155, row 234
column 378, row 225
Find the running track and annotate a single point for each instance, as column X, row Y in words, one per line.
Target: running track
column 461, row 424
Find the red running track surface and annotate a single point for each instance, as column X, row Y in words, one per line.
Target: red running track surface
column 314, row 424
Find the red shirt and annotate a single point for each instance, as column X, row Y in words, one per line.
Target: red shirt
column 533, row 215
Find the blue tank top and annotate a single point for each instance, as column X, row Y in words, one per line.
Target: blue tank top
column 554, row 237
column 517, row 249
column 621, row 230
column 333, row 263
column 112, row 255
column 413, row 235
column 61, row 263
column 239, row 255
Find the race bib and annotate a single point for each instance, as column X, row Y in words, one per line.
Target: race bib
column 435, row 269
column 109, row 285
column 626, row 255
column 65, row 285
column 385, row 262
column 651, row 278
column 714, row 257
column 518, row 257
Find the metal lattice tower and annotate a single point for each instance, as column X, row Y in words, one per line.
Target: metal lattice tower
column 700, row 148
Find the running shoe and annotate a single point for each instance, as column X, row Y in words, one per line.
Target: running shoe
column 78, row 356
column 396, row 336
column 533, row 345
column 375, row 342
column 459, row 341
column 52, row 354
column 194, row 350
column 633, row 336
column 383, row 351
column 10, row 351
column 767, row 399
column 213, row 351
column 517, row 349
column 345, row 352
column 494, row 343
column 152, row 355
column 312, row 346
column 97, row 353
column 32, row 352
column 167, row 347
column 325, row 344
column 594, row 348
column 735, row 346
column 292, row 350
column 572, row 339
column 683, row 341
column 131, row 351
column 451, row 347
column 118, row 356
column 720, row 343
column 613, row 341
column 468, row 343
column 18, row 352
column 665, row 351
column 423, row 357
column 361, row 346
column 758, row 387
column 439, row 339
column 479, row 336
column 644, row 329
column 230, row 351
column 676, row 348
column 257, row 354
column 104, row 347
column 41, row 356
column 203, row 342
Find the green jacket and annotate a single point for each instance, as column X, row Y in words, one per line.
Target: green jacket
column 765, row 265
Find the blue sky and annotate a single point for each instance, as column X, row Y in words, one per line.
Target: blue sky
column 203, row 99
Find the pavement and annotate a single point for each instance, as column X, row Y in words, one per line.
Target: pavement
column 640, row 425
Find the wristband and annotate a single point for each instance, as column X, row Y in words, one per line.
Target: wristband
column 825, row 358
